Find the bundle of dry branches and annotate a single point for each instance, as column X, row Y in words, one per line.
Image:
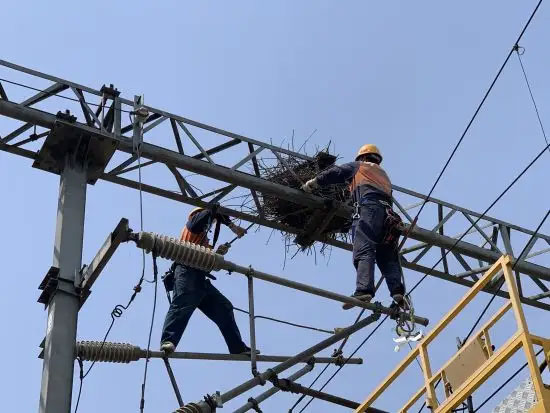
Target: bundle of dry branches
column 294, row 172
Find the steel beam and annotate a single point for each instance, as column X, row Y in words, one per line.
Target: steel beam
column 178, row 160
column 92, row 271
column 254, row 401
column 59, row 351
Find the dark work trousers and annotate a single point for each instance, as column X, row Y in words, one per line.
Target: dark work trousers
column 368, row 232
column 193, row 290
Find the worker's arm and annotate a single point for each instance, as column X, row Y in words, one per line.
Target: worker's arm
column 237, row 230
column 198, row 223
column 337, row 174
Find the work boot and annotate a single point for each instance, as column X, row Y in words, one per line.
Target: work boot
column 248, row 352
column 397, row 298
column 399, row 301
column 167, row 347
column 360, row 295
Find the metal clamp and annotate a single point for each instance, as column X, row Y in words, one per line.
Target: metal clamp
column 214, row 401
column 254, row 405
column 51, row 283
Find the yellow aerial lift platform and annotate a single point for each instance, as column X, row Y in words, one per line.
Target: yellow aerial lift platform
column 477, row 359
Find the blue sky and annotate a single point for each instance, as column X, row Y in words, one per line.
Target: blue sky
column 406, row 76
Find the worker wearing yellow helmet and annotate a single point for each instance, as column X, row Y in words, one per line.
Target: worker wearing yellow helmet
column 192, row 288
column 374, row 222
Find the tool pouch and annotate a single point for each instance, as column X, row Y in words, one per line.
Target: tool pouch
column 393, row 226
column 168, row 279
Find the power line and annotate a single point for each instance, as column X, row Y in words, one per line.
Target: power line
column 147, row 357
column 517, row 48
column 286, row 322
column 514, row 266
column 347, row 359
column 516, row 179
column 60, row 96
column 505, row 383
column 478, row 109
column 493, row 298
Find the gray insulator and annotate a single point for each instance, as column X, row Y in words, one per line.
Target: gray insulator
column 189, row 408
column 184, row 252
column 108, row 352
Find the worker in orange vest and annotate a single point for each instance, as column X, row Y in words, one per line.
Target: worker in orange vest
column 374, row 223
column 192, row 288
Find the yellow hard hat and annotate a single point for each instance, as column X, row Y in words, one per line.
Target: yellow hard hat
column 194, row 211
column 368, row 148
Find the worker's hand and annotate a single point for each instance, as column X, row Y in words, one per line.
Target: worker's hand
column 310, row 185
column 223, row 248
column 238, row 231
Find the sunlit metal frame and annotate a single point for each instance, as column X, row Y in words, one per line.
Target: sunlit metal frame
column 107, row 123
column 521, row 339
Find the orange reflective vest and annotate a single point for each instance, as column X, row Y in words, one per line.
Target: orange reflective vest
column 199, row 238
column 369, row 173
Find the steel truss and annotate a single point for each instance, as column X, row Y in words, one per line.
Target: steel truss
column 175, row 144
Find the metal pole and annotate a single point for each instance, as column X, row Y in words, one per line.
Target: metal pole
column 126, row 353
column 248, row 271
column 267, row 394
column 253, row 354
column 173, row 381
column 59, row 351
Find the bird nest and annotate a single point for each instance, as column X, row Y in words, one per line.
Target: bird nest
column 311, row 225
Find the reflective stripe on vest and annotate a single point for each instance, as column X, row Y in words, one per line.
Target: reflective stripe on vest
column 371, row 174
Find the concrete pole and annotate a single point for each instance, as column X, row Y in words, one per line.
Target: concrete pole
column 59, row 351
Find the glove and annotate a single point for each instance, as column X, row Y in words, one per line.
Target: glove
column 238, row 231
column 222, row 249
column 310, row 185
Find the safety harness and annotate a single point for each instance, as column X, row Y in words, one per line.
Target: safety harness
column 169, row 277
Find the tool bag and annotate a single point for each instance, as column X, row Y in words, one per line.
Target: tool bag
column 169, row 279
column 393, row 225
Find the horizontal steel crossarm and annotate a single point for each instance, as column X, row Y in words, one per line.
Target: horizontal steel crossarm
column 152, row 110
column 175, row 159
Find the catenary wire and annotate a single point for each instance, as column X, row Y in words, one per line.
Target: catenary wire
column 286, row 322
column 58, row 95
column 516, row 179
column 508, row 380
column 478, row 109
column 531, row 94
